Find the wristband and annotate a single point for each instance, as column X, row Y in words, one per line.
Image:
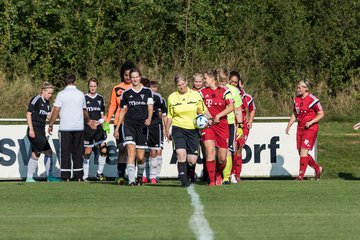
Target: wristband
column 101, row 121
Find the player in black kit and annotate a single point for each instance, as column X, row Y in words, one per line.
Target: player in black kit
column 156, row 133
column 36, row 115
column 94, row 138
column 136, row 111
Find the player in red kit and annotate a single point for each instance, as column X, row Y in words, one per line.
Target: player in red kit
column 308, row 112
column 219, row 103
column 248, row 113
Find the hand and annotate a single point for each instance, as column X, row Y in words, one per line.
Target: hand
column 168, row 136
column 106, row 127
column 147, row 122
column 308, row 124
column 216, row 119
column 116, row 133
column 93, row 124
column 287, row 130
column 249, row 125
column 356, row 126
column 31, row 133
column 50, row 129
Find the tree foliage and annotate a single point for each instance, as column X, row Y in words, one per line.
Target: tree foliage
column 273, row 42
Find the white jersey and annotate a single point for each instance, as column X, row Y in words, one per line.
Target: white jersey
column 72, row 104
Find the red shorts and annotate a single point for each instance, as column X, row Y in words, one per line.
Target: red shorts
column 217, row 132
column 242, row 140
column 306, row 138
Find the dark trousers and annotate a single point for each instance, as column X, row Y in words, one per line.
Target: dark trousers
column 71, row 147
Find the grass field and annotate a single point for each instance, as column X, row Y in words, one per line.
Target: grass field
column 252, row 209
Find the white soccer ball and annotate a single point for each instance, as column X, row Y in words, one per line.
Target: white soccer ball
column 200, row 122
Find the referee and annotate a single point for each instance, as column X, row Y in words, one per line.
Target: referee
column 70, row 104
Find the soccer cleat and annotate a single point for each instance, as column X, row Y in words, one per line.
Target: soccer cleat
column 211, row 184
column 185, row 185
column 121, row 181
column 233, row 178
column 318, row 174
column 226, row 182
column 299, row 178
column 100, row 177
column 153, row 181
column 30, row 180
column 158, row 179
column 53, row 179
column 193, row 178
column 132, row 184
column 139, row 181
column 145, row 179
column 218, row 180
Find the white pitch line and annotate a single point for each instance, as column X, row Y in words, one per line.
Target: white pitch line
column 198, row 222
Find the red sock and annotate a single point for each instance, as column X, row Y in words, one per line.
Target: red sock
column 210, row 166
column 220, row 167
column 303, row 166
column 313, row 164
column 238, row 165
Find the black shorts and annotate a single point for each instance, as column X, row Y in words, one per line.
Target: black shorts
column 156, row 137
column 93, row 137
column 40, row 143
column 232, row 136
column 135, row 134
column 188, row 139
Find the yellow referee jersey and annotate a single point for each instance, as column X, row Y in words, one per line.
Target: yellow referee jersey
column 182, row 108
column 237, row 102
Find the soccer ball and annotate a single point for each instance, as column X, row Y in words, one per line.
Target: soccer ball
column 200, row 122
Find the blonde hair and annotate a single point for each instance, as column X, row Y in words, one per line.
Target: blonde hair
column 179, row 78
column 213, row 73
column 198, row 74
column 223, row 75
column 304, row 83
column 45, row 86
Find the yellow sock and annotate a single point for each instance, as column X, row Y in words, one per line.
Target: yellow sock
column 227, row 169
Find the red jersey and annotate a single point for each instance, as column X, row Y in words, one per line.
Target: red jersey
column 247, row 102
column 305, row 109
column 216, row 100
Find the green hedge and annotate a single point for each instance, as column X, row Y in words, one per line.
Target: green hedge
column 271, row 42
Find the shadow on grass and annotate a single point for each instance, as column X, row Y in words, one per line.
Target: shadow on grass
column 347, row 176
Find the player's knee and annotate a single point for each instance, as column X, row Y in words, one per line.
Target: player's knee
column 103, row 150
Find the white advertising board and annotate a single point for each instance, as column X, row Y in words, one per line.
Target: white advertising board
column 269, row 152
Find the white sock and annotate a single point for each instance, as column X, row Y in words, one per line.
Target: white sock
column 32, row 165
column 102, row 161
column 48, row 165
column 159, row 164
column 153, row 167
column 141, row 168
column 131, row 172
column 86, row 166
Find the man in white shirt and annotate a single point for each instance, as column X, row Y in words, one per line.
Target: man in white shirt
column 70, row 104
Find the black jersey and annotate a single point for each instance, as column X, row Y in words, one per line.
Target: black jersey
column 159, row 107
column 40, row 109
column 136, row 103
column 95, row 106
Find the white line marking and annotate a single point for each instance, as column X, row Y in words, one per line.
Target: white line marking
column 198, row 222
